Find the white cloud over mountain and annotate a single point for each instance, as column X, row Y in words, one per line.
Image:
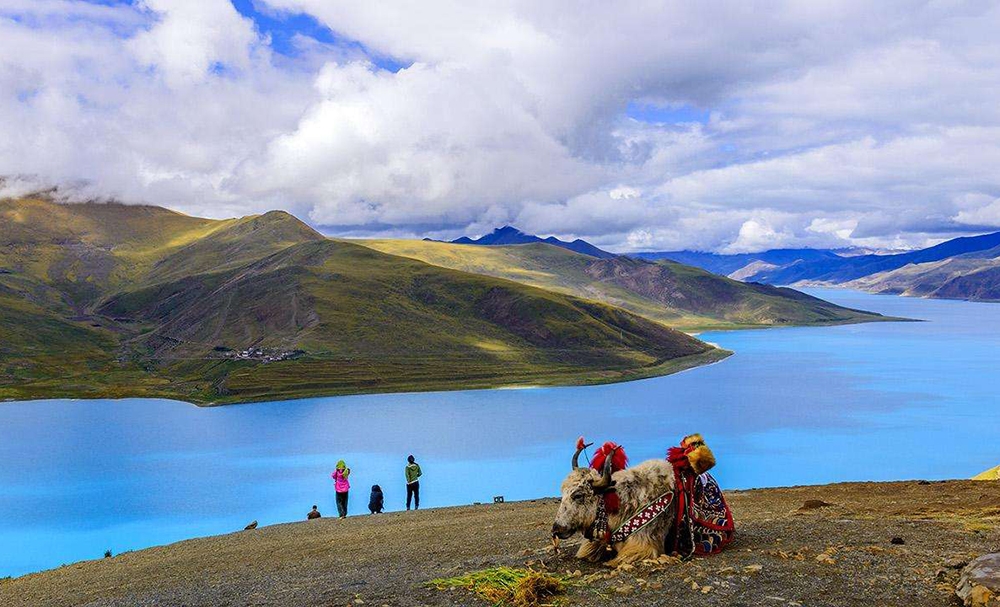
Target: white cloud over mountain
column 808, row 123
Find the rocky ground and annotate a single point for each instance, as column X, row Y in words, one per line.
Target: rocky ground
column 870, row 544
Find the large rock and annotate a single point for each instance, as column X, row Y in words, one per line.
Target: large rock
column 979, row 585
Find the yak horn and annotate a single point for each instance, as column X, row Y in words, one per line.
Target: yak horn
column 605, row 483
column 576, row 456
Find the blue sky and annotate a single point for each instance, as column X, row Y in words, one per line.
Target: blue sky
column 633, row 125
column 283, row 26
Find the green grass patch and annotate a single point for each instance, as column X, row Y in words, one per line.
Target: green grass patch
column 508, row 586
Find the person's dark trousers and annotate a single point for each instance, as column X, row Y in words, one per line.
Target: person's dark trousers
column 413, row 491
column 342, row 504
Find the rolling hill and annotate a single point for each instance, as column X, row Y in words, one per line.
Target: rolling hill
column 113, row 300
column 679, row 296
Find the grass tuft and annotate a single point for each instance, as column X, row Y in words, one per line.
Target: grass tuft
column 502, row 586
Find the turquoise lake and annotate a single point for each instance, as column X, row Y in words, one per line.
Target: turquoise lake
column 793, row 406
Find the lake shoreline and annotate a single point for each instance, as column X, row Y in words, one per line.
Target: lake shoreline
column 595, row 378
column 835, row 552
column 555, row 379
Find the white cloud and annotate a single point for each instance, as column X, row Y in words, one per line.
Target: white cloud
column 987, row 213
column 192, row 37
column 828, row 124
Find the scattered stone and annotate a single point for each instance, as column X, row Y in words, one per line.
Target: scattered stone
column 814, row 505
column 795, row 556
column 825, row 558
column 753, row 569
column 979, row 584
column 626, row 567
column 956, row 563
column 252, row 525
column 655, row 586
column 898, row 541
column 624, row 590
column 923, row 482
column 706, row 589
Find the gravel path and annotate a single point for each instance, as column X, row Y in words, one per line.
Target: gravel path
column 839, row 554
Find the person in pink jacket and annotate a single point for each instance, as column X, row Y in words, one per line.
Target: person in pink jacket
column 341, row 485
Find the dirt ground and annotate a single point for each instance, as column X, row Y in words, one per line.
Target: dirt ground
column 839, row 554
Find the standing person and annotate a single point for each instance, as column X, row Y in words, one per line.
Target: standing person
column 341, row 485
column 412, row 483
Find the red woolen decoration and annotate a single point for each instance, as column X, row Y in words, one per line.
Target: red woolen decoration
column 619, row 460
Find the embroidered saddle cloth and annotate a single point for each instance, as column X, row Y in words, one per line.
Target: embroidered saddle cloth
column 704, row 522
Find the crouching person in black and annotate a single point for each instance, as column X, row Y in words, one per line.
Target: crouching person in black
column 377, row 501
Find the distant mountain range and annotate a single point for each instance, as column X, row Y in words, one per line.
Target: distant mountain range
column 728, row 264
column 962, row 268
column 509, row 235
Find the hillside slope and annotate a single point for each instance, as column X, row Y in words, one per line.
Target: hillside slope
column 677, row 295
column 264, row 307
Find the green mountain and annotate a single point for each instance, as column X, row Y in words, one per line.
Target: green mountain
column 115, row 300
column 677, row 295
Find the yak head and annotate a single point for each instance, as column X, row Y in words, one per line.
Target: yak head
column 581, row 491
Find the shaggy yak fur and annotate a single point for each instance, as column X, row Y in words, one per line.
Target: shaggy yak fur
column 637, row 486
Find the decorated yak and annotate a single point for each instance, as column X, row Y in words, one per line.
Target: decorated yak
column 628, row 514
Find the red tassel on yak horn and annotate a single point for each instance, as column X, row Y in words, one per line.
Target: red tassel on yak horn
column 618, row 462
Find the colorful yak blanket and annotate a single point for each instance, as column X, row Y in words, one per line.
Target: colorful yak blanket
column 704, row 523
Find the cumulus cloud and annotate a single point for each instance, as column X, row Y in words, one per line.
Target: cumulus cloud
column 192, row 38
column 806, row 124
